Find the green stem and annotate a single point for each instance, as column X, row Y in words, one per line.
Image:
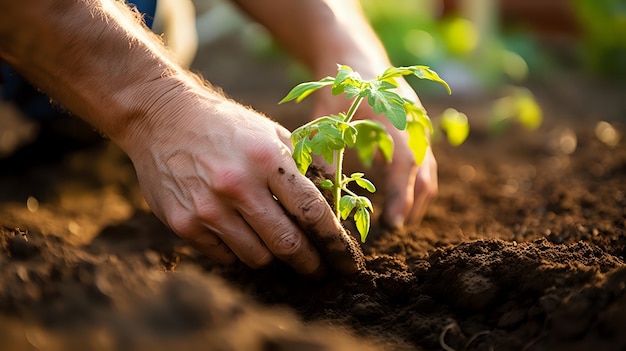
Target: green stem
column 349, row 192
column 339, row 160
column 353, row 107
column 337, row 183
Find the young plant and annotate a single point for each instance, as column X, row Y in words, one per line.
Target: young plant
column 329, row 136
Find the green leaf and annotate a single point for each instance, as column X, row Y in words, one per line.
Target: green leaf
column 356, row 175
column 383, row 100
column 300, row 133
column 347, row 81
column 426, row 73
column 332, row 135
column 365, row 184
column 327, row 139
column 456, row 126
column 302, row 90
column 346, row 205
column 350, row 135
column 326, row 184
column 418, row 113
column 362, row 221
column 395, row 72
column 348, row 132
column 421, row 72
column 418, row 140
column 372, row 135
column 302, row 154
column 319, row 146
column 352, row 90
column 365, row 202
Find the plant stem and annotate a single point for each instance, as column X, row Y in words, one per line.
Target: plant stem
column 339, row 159
column 337, row 183
column 353, row 107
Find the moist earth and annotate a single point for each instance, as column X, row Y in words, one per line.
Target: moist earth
column 522, row 250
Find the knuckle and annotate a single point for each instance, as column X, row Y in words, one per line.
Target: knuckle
column 208, row 213
column 286, row 244
column 182, row 225
column 312, row 209
column 230, row 182
column 267, row 152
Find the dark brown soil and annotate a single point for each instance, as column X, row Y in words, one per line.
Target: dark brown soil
column 523, row 250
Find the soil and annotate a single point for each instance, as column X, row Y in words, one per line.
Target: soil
column 523, row 249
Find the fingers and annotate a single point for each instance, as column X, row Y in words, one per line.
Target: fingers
column 222, row 235
column 281, row 235
column 410, row 190
column 399, row 194
column 256, row 228
column 213, row 247
column 301, row 199
column 425, row 190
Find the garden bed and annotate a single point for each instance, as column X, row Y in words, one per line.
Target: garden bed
column 523, row 250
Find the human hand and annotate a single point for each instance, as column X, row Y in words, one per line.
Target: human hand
column 409, row 188
column 210, row 169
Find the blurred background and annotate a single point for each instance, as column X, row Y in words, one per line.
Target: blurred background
column 508, row 54
column 507, row 61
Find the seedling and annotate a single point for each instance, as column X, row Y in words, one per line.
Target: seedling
column 329, row 136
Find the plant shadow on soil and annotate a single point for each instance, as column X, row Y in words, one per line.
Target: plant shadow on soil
column 523, row 250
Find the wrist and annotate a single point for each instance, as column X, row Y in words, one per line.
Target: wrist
column 161, row 106
column 143, row 106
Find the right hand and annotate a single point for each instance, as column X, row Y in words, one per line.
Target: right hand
column 210, row 169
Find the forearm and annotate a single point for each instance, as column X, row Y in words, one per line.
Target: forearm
column 322, row 33
column 92, row 57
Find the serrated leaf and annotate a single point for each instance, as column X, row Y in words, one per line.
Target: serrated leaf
column 362, row 221
column 351, row 90
column 387, row 102
column 332, row 134
column 320, row 145
column 348, row 132
column 347, row 81
column 302, row 90
column 418, row 140
column 300, row 133
column 371, row 136
column 346, row 205
column 456, row 126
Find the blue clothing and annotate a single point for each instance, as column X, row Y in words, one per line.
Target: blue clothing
column 31, row 101
column 147, row 8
